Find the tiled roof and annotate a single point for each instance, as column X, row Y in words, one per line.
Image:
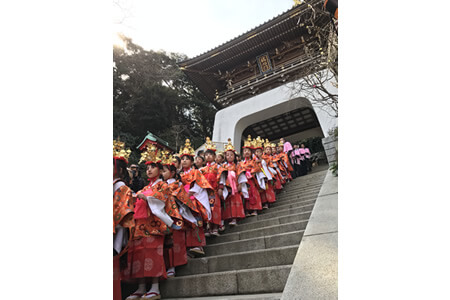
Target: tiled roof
column 203, row 69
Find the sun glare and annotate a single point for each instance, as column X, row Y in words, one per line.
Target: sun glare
column 117, row 41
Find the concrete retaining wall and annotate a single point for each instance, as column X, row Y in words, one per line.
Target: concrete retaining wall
column 330, row 144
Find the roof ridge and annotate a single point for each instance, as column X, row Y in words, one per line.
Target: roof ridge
column 298, row 7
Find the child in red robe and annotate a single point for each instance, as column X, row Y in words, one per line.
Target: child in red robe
column 231, row 181
column 253, row 202
column 198, row 188
column 177, row 254
column 267, row 194
column 123, row 210
column 210, row 171
column 153, row 223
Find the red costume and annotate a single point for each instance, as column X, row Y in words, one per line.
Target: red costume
column 196, row 237
column 254, row 200
column 233, row 207
column 210, row 171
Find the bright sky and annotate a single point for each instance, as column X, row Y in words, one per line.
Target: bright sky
column 190, row 26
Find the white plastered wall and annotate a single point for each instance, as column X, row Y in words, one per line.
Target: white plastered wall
column 230, row 122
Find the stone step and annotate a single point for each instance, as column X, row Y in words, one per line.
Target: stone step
column 249, row 281
column 301, row 214
column 292, row 186
column 298, row 192
column 288, row 189
column 287, row 211
column 272, row 212
column 238, row 261
column 297, row 185
column 264, row 242
column 292, row 200
column 304, row 182
column 266, row 231
column 267, row 296
column 286, row 205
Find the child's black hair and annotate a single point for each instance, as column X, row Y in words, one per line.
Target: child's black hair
column 210, row 152
column 191, row 158
column 158, row 165
column 172, row 168
column 121, row 169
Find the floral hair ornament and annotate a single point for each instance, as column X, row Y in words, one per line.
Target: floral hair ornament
column 167, row 158
column 187, row 150
column 150, row 155
column 209, row 145
column 258, row 143
column 119, row 151
column 229, row 146
column 267, row 144
column 248, row 143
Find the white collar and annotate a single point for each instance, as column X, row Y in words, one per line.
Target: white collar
column 171, row 180
column 156, row 181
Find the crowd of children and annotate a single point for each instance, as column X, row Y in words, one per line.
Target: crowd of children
column 158, row 227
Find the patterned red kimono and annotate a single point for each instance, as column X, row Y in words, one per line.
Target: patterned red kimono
column 177, row 254
column 233, row 206
column 145, row 253
column 280, row 163
column 210, row 171
column 285, row 158
column 254, row 200
column 276, row 159
column 268, row 196
column 123, row 210
column 277, row 177
column 195, row 237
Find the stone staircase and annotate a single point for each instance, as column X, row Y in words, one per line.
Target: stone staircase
column 253, row 259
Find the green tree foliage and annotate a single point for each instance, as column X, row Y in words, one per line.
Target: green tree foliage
column 152, row 94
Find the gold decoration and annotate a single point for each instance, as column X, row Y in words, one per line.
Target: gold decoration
column 187, row 150
column 209, row 145
column 229, row 146
column 119, row 150
column 273, row 145
column 151, row 155
column 281, row 143
column 267, row 144
column 167, row 158
column 248, row 143
column 257, row 143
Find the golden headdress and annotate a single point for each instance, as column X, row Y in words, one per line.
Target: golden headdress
column 229, row 146
column 273, row 145
column 257, row 143
column 187, row 150
column 281, row 143
column 151, row 155
column 248, row 143
column 119, row 151
column 167, row 158
column 209, row 145
column 267, row 144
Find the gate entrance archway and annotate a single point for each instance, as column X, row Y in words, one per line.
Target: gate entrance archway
column 246, row 77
